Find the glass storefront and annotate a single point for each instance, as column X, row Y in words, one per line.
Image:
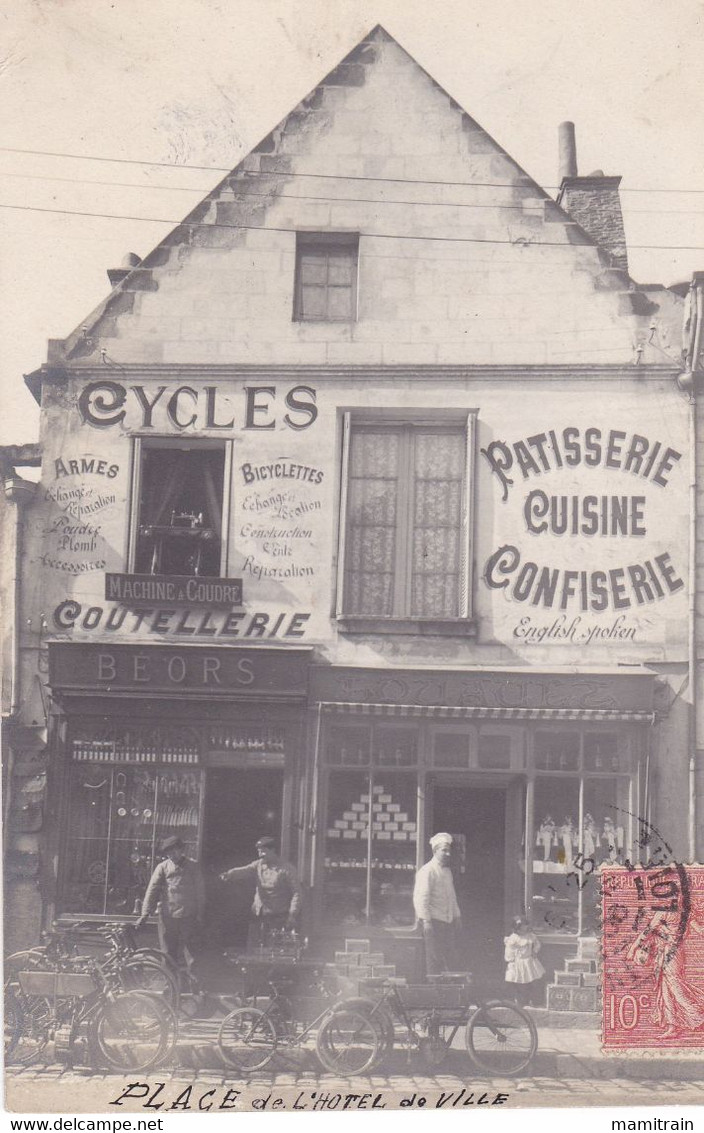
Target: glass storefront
column 583, row 808
column 563, row 795
column 130, row 784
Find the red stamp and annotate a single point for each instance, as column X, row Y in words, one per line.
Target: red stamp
column 653, row 957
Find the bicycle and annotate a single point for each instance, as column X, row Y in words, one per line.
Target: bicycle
column 136, row 968
column 83, row 1006
column 249, row 1037
column 500, row 1037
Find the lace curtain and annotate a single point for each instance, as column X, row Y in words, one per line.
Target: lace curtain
column 404, row 522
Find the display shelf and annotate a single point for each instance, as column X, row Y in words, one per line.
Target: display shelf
column 119, row 817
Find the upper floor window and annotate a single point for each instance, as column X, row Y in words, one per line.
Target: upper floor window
column 326, row 277
column 406, row 519
column 178, row 506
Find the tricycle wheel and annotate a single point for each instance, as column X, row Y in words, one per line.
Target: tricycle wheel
column 247, row 1039
column 378, row 1015
column 501, row 1038
column 348, row 1042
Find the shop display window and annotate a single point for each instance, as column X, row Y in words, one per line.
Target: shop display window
column 395, row 746
column 555, row 843
column 580, row 821
column 118, row 817
column 452, row 749
column 370, row 847
column 557, row 751
column 348, row 745
column 495, row 752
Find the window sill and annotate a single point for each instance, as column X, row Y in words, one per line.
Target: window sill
column 422, row 627
column 318, row 320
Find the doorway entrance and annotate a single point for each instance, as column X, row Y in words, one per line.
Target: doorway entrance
column 240, row 806
column 476, row 818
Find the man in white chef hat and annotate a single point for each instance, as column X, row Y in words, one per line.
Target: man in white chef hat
column 435, row 903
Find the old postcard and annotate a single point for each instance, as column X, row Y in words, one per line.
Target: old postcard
column 352, row 514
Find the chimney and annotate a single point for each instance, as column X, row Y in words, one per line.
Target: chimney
column 568, row 149
column 592, row 201
column 116, row 275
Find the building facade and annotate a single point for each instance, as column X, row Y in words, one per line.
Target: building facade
column 366, row 510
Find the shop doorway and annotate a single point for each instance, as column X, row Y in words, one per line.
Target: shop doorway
column 476, row 818
column 240, row 806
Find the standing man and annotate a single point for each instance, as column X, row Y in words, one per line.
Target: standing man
column 277, row 898
column 435, row 903
column 177, row 888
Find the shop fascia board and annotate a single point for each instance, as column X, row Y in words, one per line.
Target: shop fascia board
column 52, row 374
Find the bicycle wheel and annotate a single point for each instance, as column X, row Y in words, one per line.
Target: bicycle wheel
column 157, row 957
column 348, row 1042
column 13, row 1020
column 501, row 1038
column 132, row 1030
column 247, row 1039
column 140, row 974
column 378, row 1014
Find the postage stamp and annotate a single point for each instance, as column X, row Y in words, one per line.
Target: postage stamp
column 653, row 957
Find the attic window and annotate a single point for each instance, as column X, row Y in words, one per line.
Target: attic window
column 326, row 277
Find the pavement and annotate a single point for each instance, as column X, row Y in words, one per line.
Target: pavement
column 569, row 1069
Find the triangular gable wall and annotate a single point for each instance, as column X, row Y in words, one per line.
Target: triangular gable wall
column 463, row 258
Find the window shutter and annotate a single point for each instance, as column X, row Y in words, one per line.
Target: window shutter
column 467, row 553
column 135, row 491
column 342, row 538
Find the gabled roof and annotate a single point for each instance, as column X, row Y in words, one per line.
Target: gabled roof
column 242, row 200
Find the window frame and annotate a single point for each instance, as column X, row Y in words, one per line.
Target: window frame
column 464, row 622
column 140, row 443
column 626, row 779
column 323, row 243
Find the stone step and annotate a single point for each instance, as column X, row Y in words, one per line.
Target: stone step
column 358, row 946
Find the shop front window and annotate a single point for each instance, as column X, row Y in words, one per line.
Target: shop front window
column 371, row 825
column 555, row 843
column 582, row 818
column 118, row 817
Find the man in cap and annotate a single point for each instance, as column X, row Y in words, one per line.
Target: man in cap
column 177, row 889
column 435, row 903
column 277, row 897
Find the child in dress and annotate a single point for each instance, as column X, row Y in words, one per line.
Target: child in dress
column 523, row 968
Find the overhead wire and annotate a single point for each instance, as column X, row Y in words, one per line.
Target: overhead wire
column 333, row 176
column 521, row 241
column 522, row 207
